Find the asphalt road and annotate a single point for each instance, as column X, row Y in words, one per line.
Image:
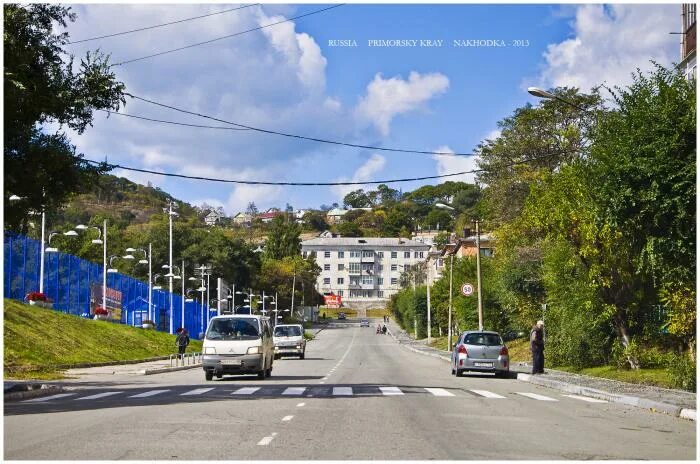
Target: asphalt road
column 357, row 395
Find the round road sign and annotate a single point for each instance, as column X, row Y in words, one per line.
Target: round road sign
column 467, row 289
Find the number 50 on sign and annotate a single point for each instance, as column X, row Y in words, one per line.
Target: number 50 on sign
column 467, row 289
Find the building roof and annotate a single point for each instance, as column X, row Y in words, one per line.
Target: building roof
column 270, row 214
column 336, row 212
column 213, row 213
column 364, row 242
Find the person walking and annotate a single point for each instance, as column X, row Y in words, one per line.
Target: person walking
column 182, row 341
column 537, row 347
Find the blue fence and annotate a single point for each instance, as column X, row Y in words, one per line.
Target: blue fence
column 67, row 282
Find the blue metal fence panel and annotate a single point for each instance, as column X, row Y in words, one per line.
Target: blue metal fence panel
column 68, row 279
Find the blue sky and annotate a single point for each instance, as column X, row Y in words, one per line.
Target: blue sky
column 289, row 78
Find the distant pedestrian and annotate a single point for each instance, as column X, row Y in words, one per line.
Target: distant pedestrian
column 383, row 330
column 182, row 341
column 537, row 347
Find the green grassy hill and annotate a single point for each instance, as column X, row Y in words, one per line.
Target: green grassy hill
column 37, row 340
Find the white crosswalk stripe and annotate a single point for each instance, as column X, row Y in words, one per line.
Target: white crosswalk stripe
column 342, row 391
column 535, row 396
column 439, row 392
column 387, row 391
column 487, row 394
column 196, row 391
column 294, row 391
column 99, row 395
column 246, row 391
column 148, row 393
column 48, row 398
column 585, row 398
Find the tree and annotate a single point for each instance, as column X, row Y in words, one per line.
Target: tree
column 357, row 199
column 396, row 221
column 283, row 239
column 40, row 88
column 316, row 220
column 252, row 210
column 349, row 229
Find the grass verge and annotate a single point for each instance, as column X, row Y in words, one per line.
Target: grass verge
column 378, row 312
column 332, row 313
column 659, row 377
column 36, row 340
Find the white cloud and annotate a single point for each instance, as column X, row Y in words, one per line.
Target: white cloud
column 609, row 43
column 387, row 98
column 364, row 173
column 447, row 164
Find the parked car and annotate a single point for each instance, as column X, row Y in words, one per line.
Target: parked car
column 289, row 339
column 238, row 344
column 480, row 351
column 341, row 315
column 364, row 322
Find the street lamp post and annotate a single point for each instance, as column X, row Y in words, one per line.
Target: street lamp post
column 145, row 260
column 478, row 276
column 449, row 317
column 104, row 265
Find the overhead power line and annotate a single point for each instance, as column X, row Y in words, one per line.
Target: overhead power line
column 301, row 137
column 174, row 122
column 306, row 184
column 225, row 37
column 161, row 25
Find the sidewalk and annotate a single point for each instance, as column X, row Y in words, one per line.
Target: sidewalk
column 675, row 402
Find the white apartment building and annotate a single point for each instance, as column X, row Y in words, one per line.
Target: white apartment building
column 362, row 269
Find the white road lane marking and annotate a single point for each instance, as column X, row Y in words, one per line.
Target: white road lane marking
column 287, row 418
column 265, row 441
column 148, row 393
column 535, row 396
column 197, row 391
column 294, row 391
column 439, row 392
column 487, row 394
column 386, row 391
column 342, row 391
column 246, row 391
column 99, row 395
column 301, row 405
column 48, row 398
column 585, row 398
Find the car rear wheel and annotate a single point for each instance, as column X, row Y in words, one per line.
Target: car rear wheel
column 458, row 372
column 303, row 353
column 502, row 374
column 261, row 374
column 209, row 375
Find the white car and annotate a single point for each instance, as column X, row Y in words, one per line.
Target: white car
column 238, row 344
column 289, row 340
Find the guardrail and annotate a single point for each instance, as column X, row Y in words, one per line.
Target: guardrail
column 187, row 359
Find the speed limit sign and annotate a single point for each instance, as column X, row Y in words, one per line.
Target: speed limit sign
column 467, row 289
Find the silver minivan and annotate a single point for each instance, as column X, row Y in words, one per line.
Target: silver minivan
column 480, row 351
column 238, row 344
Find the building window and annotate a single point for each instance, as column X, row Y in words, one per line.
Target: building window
column 367, row 253
column 380, row 280
column 355, row 280
column 327, row 280
column 326, row 267
column 326, row 254
column 354, row 268
column 381, row 267
column 394, row 267
column 340, row 293
column 354, row 254
column 394, row 281
column 380, row 293
column 341, row 254
column 407, row 254
column 393, row 255
column 380, row 254
column 341, row 267
column 341, row 281
column 304, row 254
column 367, row 280
column 440, row 262
column 420, row 255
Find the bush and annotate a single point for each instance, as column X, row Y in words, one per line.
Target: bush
column 683, row 372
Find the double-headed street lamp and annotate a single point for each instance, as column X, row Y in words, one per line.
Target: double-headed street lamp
column 171, row 213
column 146, row 260
column 540, row 93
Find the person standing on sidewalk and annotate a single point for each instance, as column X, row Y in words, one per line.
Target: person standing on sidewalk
column 182, row 341
column 537, row 347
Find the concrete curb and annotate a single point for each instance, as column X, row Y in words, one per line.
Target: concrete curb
column 161, row 370
column 433, row 355
column 44, row 390
column 636, row 401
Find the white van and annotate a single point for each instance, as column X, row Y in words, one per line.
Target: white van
column 289, row 339
column 238, row 344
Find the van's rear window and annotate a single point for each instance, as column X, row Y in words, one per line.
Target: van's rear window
column 233, row 329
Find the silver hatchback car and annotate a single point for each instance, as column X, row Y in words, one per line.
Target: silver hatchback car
column 480, row 351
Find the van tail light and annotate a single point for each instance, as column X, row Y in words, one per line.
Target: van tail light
column 504, row 351
column 462, row 350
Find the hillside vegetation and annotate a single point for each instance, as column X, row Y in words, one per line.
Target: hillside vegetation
column 36, row 340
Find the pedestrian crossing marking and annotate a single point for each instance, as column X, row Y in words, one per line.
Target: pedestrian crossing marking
column 487, row 394
column 99, row 395
column 294, row 391
column 585, row 398
column 342, row 391
column 48, row 398
column 535, row 396
column 148, row 393
column 246, row 391
column 387, row 391
column 196, row 391
column 439, row 392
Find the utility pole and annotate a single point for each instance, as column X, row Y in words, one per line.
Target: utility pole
column 170, row 262
column 428, row 290
column 478, row 276
column 449, row 314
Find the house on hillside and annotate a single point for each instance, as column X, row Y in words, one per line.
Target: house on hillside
column 269, row 215
column 243, row 219
column 335, row 215
column 212, row 218
column 466, row 246
column 299, row 215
